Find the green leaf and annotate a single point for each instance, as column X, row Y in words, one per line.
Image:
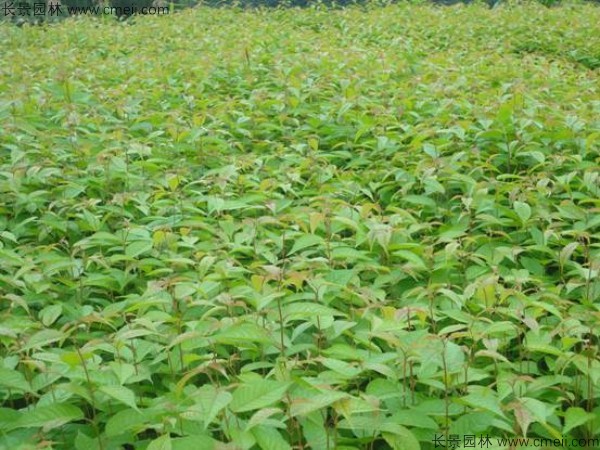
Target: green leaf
column 304, row 310
column 340, row 277
column 49, row 314
column 184, row 290
column 566, row 252
column 121, row 394
column 261, row 416
column 138, row 248
column 50, row 416
column 523, row 210
column 210, row 401
column 258, row 394
column 13, row 379
column 540, row 343
column 484, row 398
column 575, row 417
column 194, row 442
column 43, row 338
column 472, row 423
column 125, row 421
column 8, row 417
column 420, row 200
column 161, row 443
column 413, row 259
column 314, row 431
column 305, row 241
column 523, row 417
column 302, row 406
column 539, row 410
column 242, row 333
column 84, row 442
column 270, row 439
column 414, row 418
column 404, row 439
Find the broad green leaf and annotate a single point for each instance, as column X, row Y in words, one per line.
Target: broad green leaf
column 242, row 333
column 402, row 440
column 257, row 395
column 8, row 417
column 50, row 416
column 162, row 443
column 313, row 429
column 13, row 379
column 194, row 442
column 484, row 398
column 340, row 277
column 413, row 418
column 125, row 421
column 472, row 423
column 270, row 439
column 210, row 401
column 304, row 310
column 302, row 406
column 49, row 314
column 523, row 416
column 84, row 442
column 305, row 241
column 43, row 338
column 138, row 248
column 540, row 411
column 523, row 210
column 413, row 259
column 261, row 416
column 121, row 394
column 575, row 417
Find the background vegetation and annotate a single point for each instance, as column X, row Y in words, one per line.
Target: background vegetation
column 10, row 10
column 358, row 228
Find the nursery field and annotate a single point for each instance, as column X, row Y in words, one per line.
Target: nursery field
column 365, row 228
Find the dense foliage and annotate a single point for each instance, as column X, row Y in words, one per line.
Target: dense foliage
column 22, row 12
column 316, row 229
